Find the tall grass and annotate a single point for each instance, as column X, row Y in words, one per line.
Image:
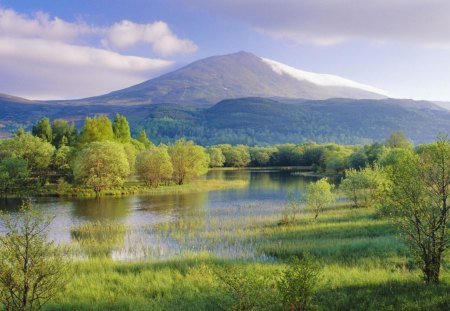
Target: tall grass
column 365, row 264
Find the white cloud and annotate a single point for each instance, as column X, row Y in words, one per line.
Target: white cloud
column 43, row 57
column 328, row 22
column 158, row 34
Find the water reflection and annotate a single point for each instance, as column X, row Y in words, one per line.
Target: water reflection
column 140, row 218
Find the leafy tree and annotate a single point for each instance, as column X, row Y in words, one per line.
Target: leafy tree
column 336, row 160
column 33, row 270
column 419, row 203
column 188, row 160
column 37, row 152
column 318, row 195
column 96, row 129
column 63, row 133
column 298, row 283
column 364, row 187
column 261, row 156
column 101, row 165
column 43, row 130
column 131, row 153
column 121, row 129
column 142, row 138
column 216, row 157
column 62, row 159
column 13, row 171
column 358, row 159
column 154, row 165
column 237, row 156
column 398, row 139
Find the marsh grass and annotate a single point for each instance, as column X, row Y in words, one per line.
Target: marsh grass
column 365, row 266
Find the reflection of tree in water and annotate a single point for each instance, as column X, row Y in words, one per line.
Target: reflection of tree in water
column 103, row 208
column 188, row 209
column 99, row 239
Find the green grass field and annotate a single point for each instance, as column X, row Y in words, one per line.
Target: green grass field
column 365, row 265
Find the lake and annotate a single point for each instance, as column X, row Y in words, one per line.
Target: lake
column 167, row 226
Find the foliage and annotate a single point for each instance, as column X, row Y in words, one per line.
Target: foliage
column 63, row 134
column 236, row 156
column 366, row 186
column 13, row 172
column 319, row 195
column 101, row 165
column 43, row 130
column 419, row 203
column 398, row 139
column 261, row 156
column 188, row 160
column 143, row 139
column 290, row 211
column 121, row 129
column 244, row 289
column 154, row 165
column 33, row 270
column 216, row 157
column 36, row 151
column 299, row 282
column 96, row 129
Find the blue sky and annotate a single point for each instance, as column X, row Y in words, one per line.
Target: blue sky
column 72, row 49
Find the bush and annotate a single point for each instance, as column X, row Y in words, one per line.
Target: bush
column 298, row 283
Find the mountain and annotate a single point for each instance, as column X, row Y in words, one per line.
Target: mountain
column 242, row 74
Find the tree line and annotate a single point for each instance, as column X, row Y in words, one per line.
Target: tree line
column 102, row 155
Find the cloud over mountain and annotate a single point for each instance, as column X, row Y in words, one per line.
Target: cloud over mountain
column 52, row 58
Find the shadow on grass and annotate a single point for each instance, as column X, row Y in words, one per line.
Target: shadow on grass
column 387, row 296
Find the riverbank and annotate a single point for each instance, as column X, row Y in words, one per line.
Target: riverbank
column 136, row 188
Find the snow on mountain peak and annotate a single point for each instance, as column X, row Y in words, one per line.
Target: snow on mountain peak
column 317, row 78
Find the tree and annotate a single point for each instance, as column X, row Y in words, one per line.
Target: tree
column 188, row 160
column 364, row 187
column 398, row 139
column 261, row 156
column 154, row 165
column 43, row 130
column 299, row 282
column 96, row 129
column 419, row 204
column 318, row 195
column 237, row 156
column 13, row 171
column 33, row 270
column 101, row 165
column 35, row 150
column 142, row 138
column 121, row 129
column 63, row 133
column 216, row 157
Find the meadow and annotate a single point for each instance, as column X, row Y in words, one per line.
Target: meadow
column 238, row 253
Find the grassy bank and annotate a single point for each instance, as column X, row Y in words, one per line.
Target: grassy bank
column 365, row 266
column 133, row 187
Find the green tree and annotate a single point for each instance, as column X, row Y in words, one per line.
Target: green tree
column 154, row 165
column 261, row 156
column 298, row 283
column 419, row 204
column 63, row 133
column 131, row 153
column 13, row 172
column 43, row 130
column 236, row 156
column 96, row 129
column 364, row 187
column 398, row 139
column 216, row 157
column 62, row 160
column 188, row 160
column 37, row 152
column 33, row 270
column 358, row 159
column 142, row 138
column 121, row 129
column 319, row 195
column 101, row 165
